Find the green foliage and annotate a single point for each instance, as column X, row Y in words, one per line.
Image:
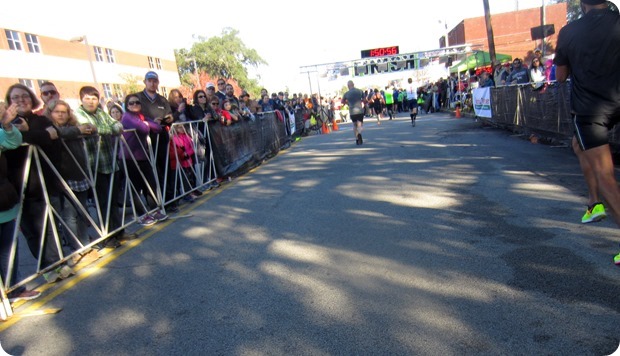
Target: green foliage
column 220, row 57
column 133, row 83
column 573, row 8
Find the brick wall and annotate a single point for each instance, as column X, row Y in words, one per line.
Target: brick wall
column 511, row 31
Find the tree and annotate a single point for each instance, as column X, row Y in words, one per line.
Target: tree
column 219, row 57
column 133, row 83
column 573, row 8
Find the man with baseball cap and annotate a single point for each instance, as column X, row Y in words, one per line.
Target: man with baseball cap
column 588, row 53
column 157, row 107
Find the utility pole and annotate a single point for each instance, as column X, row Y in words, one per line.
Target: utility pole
column 543, row 21
column 487, row 19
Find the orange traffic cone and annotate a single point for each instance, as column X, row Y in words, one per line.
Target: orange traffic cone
column 335, row 125
column 458, row 112
column 324, row 129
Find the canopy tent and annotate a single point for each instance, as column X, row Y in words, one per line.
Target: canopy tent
column 478, row 59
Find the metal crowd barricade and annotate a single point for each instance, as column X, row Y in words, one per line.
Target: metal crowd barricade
column 520, row 107
column 247, row 143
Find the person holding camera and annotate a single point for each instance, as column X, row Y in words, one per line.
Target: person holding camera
column 181, row 111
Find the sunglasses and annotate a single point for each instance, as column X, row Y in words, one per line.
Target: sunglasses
column 49, row 92
column 130, row 103
column 215, row 103
column 201, row 97
column 221, row 83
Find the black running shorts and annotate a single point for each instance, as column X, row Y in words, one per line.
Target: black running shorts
column 357, row 117
column 592, row 131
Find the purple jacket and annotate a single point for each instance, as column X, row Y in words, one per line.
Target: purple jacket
column 136, row 138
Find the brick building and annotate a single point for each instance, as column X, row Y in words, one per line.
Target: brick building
column 31, row 59
column 511, row 31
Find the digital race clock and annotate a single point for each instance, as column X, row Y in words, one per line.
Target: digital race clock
column 380, row 52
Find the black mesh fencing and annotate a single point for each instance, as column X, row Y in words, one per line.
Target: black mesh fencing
column 545, row 112
column 247, row 143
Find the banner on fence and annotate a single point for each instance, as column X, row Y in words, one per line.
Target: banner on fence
column 482, row 102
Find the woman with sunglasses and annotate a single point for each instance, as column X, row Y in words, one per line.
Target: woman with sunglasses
column 137, row 128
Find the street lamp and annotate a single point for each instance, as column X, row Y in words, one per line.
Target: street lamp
column 90, row 58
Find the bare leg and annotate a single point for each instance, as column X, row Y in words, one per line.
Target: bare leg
column 599, row 161
column 588, row 173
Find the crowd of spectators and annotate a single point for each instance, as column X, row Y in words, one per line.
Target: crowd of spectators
column 81, row 169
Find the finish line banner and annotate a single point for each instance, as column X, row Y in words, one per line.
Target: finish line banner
column 482, row 102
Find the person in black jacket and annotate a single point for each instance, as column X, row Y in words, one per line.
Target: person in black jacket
column 37, row 131
column 10, row 138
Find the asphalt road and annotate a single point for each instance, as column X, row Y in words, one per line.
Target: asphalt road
column 448, row 238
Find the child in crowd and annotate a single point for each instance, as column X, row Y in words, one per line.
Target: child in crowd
column 182, row 160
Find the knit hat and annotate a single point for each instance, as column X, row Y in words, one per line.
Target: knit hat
column 593, row 2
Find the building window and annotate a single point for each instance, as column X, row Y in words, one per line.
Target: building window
column 118, row 91
column 151, row 64
column 33, row 43
column 107, row 90
column 110, row 55
column 164, row 91
column 15, row 44
column 158, row 62
column 28, row 83
column 98, row 54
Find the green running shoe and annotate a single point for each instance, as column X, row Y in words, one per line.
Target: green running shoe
column 617, row 259
column 596, row 212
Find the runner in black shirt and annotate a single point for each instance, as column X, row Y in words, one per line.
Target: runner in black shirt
column 588, row 51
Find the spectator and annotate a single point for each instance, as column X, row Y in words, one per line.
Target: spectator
column 157, row 107
column 201, row 110
column 537, row 74
column 102, row 161
column 266, row 104
column 181, row 111
column 182, row 158
column 230, row 95
column 116, row 112
column 251, row 104
column 519, row 74
column 549, row 71
column 10, row 139
column 48, row 93
column 500, row 73
column 36, row 130
column 73, row 166
column 137, row 128
column 228, row 116
column 221, row 90
column 485, row 80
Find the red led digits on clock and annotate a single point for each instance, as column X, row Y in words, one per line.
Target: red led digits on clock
column 380, row 52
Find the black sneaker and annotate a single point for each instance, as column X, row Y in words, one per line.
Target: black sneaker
column 359, row 139
column 111, row 242
column 127, row 236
